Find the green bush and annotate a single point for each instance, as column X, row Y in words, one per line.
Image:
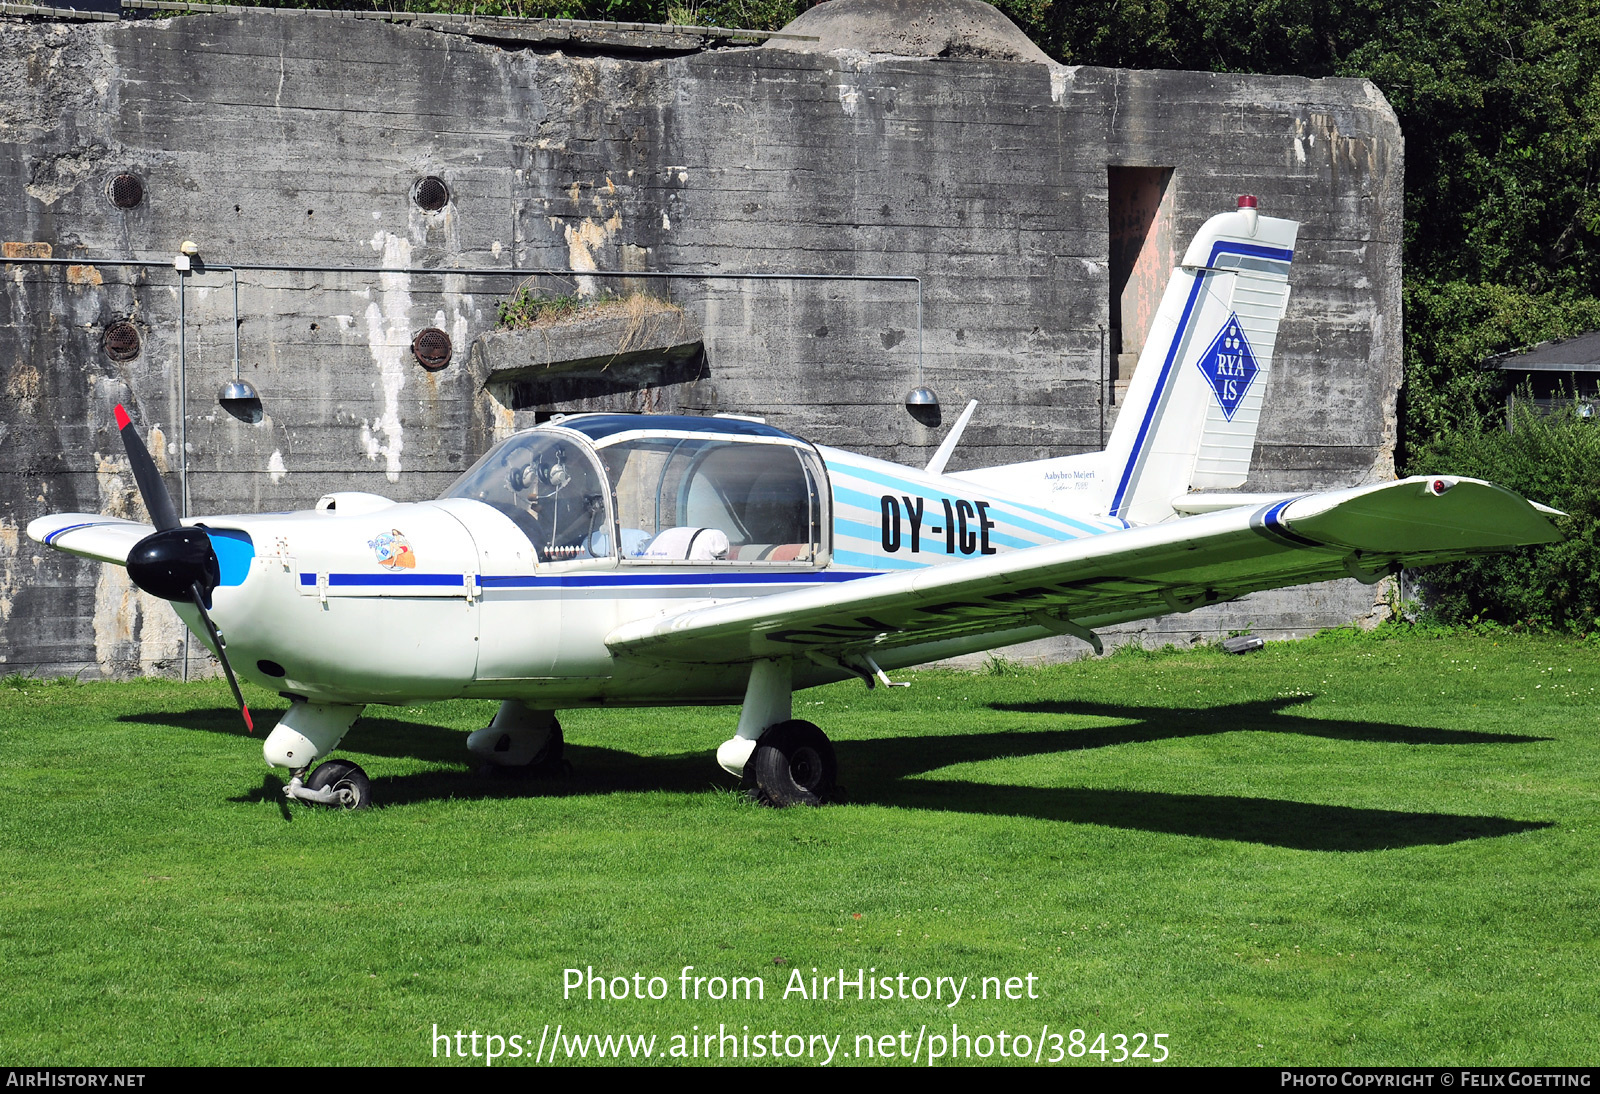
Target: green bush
column 1451, row 327
column 1553, row 459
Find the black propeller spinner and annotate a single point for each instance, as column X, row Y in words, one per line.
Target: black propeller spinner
column 174, row 562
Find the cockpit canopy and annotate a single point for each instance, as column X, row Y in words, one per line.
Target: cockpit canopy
column 657, row 490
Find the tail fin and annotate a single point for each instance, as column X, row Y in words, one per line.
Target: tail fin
column 1190, row 417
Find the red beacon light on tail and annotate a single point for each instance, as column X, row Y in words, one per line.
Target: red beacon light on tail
column 1247, row 206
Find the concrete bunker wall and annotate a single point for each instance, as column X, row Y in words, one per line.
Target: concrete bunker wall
column 278, row 137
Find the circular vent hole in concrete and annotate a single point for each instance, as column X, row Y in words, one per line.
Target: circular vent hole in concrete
column 432, row 349
column 121, row 341
column 431, row 194
column 125, row 191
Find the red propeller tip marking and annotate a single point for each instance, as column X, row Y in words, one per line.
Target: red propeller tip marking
column 123, row 421
column 248, row 724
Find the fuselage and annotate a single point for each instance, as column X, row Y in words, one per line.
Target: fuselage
column 507, row 586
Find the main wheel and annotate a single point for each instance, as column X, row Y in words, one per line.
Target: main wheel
column 346, row 780
column 793, row 764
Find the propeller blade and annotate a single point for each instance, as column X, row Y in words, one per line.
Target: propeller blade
column 174, row 562
column 222, row 655
column 154, row 492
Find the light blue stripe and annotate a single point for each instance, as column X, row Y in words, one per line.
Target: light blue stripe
column 1004, row 540
column 853, row 558
column 1055, row 534
column 1091, row 529
column 870, row 532
column 872, row 503
column 886, row 480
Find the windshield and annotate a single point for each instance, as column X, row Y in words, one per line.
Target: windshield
column 551, row 487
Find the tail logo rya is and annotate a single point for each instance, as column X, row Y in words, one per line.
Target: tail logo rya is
column 1229, row 367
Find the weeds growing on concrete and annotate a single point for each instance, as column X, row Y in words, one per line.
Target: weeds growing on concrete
column 525, row 308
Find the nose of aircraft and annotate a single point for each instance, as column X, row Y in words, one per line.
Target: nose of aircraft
column 171, row 562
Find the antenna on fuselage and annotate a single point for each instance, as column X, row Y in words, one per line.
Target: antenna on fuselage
column 951, row 439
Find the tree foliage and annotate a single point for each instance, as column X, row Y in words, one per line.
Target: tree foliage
column 1556, row 459
column 1500, row 106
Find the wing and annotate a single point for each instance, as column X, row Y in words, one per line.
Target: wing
column 1362, row 532
column 89, row 535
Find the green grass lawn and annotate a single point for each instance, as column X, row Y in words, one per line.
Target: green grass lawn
column 1340, row 851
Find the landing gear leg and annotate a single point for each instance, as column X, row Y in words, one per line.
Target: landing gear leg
column 768, row 700
column 785, row 761
column 306, row 733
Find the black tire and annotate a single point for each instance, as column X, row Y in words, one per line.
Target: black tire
column 793, row 764
column 345, row 779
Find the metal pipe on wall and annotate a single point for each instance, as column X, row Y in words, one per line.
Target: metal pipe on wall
column 484, row 271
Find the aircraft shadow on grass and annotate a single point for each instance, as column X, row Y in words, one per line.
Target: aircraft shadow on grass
column 882, row 773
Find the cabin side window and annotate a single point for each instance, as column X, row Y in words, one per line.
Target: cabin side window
column 694, row 500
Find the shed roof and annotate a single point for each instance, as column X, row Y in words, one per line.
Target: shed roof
column 1580, row 354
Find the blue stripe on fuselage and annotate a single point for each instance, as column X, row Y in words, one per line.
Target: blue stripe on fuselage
column 580, row 580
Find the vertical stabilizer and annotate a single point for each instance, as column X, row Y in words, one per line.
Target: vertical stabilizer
column 1190, row 417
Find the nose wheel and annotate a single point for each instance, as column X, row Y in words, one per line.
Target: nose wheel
column 338, row 783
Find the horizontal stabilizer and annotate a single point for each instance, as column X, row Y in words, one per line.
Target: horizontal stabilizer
column 1192, row 504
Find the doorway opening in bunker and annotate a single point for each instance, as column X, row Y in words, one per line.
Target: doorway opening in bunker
column 1142, row 254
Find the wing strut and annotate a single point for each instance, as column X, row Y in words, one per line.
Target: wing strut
column 1052, row 622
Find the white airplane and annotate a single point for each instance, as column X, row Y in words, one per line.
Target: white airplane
column 623, row 560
